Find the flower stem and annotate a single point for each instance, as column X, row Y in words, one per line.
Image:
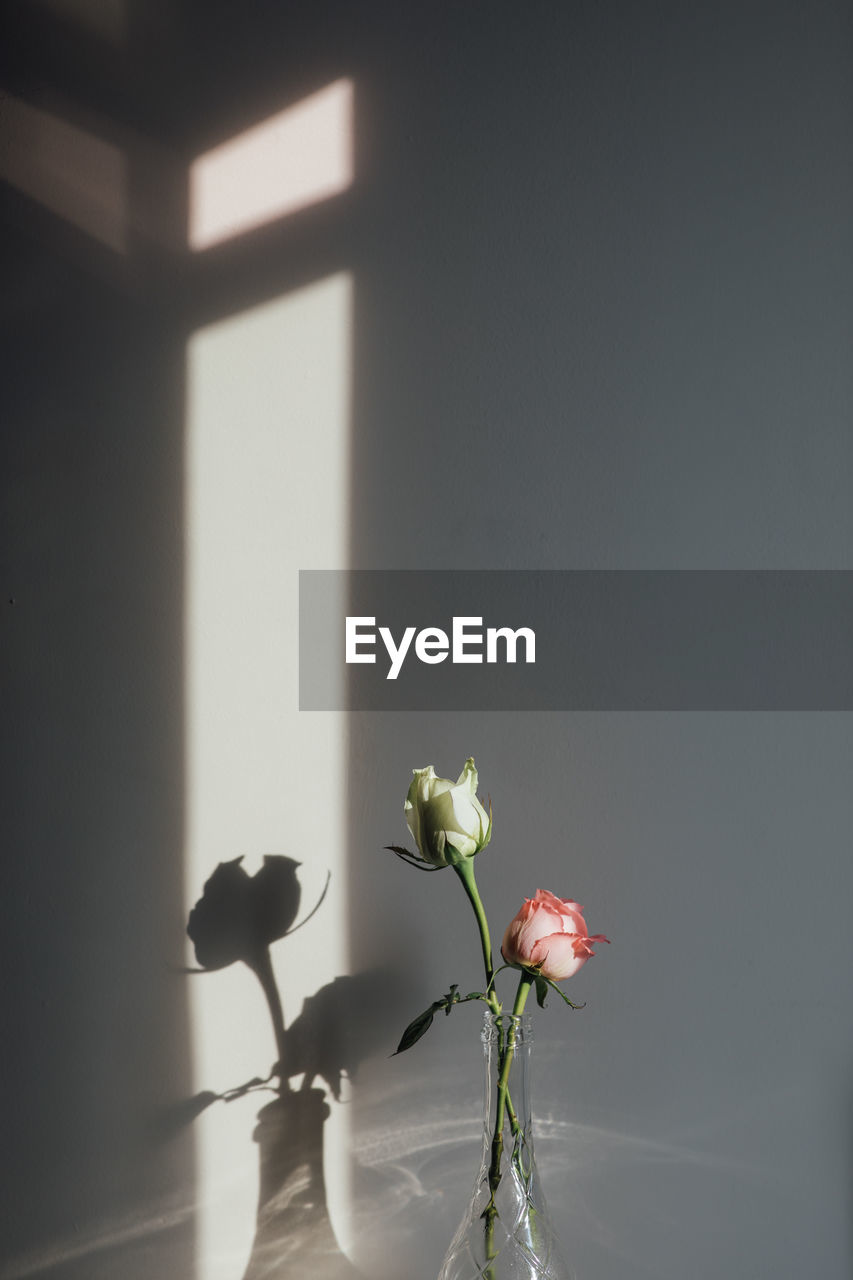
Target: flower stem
column 525, row 982
column 504, row 1107
column 464, row 868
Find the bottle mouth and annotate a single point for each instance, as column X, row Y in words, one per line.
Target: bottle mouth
column 497, row 1027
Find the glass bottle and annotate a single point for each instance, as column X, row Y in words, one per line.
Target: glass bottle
column 506, row 1232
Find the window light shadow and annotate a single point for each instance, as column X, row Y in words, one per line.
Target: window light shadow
column 72, row 173
column 295, row 159
column 267, row 459
column 267, row 466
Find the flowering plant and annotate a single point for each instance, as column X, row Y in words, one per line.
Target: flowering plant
column 547, row 941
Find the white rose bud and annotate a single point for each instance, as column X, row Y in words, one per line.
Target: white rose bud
column 446, row 819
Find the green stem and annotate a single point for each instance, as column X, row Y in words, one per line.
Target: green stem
column 464, row 868
column 525, row 982
column 504, row 1106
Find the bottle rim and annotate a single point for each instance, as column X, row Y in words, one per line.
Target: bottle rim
column 494, row 1024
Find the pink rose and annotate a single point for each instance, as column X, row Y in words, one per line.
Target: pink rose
column 549, row 934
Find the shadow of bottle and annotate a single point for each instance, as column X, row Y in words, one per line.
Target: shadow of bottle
column 237, row 919
column 294, row 1237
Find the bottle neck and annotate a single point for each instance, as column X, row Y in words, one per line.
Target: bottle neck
column 507, row 1041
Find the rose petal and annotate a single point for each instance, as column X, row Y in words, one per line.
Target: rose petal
column 557, row 957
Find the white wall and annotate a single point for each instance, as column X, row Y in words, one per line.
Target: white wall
column 601, row 318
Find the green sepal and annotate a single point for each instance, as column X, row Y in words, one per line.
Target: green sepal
column 560, row 993
column 499, row 969
column 413, row 859
column 488, row 834
column 541, row 991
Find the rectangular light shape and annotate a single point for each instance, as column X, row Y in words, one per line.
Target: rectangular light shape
column 267, row 494
column 294, row 159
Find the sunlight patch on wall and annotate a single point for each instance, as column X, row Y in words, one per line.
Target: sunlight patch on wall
column 267, row 474
column 295, row 159
column 81, row 178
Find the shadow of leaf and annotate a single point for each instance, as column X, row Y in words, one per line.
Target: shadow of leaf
column 338, row 1029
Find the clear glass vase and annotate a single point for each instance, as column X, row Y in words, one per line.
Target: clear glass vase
column 506, row 1233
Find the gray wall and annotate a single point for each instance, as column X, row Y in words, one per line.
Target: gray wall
column 603, row 309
